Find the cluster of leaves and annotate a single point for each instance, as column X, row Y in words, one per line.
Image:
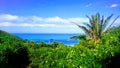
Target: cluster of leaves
column 86, row 54
column 79, row 37
column 45, row 55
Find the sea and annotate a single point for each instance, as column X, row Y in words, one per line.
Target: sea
column 49, row 38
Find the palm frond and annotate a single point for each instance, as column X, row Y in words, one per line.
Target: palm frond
column 82, row 27
column 90, row 20
column 87, row 25
column 105, row 23
column 108, row 29
column 101, row 25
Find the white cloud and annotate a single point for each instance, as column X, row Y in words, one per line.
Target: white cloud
column 65, row 26
column 37, row 19
column 26, row 24
column 55, row 19
column 88, row 5
column 78, row 20
column 6, row 24
column 8, row 17
column 61, row 20
column 113, row 5
column 7, row 20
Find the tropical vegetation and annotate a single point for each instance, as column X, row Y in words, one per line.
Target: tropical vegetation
column 18, row 53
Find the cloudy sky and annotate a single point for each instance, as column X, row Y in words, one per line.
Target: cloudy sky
column 52, row 16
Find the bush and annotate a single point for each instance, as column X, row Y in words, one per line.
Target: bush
column 13, row 56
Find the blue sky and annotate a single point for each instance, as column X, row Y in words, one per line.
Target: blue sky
column 52, row 16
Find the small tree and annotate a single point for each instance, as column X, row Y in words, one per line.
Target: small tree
column 97, row 26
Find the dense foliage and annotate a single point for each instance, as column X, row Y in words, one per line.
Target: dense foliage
column 85, row 54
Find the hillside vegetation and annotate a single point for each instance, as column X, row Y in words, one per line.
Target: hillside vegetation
column 13, row 54
column 16, row 53
column 9, row 38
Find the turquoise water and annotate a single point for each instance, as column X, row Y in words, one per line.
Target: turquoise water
column 49, row 38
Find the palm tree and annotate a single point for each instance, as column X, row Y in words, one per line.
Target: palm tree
column 97, row 26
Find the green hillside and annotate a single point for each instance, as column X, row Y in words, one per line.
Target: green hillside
column 6, row 37
column 13, row 53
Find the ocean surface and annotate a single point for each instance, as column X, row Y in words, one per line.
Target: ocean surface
column 49, row 38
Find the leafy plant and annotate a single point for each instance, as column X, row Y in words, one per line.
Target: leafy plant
column 97, row 26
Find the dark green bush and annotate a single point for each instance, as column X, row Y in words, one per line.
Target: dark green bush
column 13, row 56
